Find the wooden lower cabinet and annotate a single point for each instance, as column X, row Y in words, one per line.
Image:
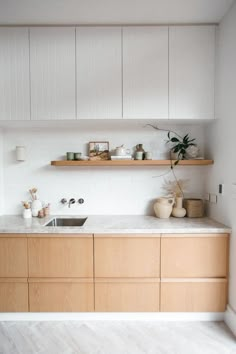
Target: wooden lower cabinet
column 61, row 295
column 13, row 256
column 190, row 256
column 61, row 257
column 193, row 295
column 127, row 256
column 127, row 295
column 13, row 295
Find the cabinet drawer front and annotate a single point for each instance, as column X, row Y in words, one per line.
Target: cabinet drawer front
column 205, row 296
column 13, row 257
column 60, row 257
column 13, row 296
column 127, row 257
column 61, row 297
column 126, row 297
column 194, row 257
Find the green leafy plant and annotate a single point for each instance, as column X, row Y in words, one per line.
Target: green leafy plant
column 181, row 145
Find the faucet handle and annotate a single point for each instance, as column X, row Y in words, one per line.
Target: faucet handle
column 72, row 201
column 63, row 200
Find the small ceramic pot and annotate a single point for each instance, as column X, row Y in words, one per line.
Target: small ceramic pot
column 27, row 214
column 163, row 207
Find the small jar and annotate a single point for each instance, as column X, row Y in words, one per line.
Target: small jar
column 27, row 214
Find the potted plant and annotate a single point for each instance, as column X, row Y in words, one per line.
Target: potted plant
column 180, row 145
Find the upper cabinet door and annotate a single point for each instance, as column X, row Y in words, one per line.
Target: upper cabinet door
column 14, row 74
column 52, row 68
column 99, row 72
column 191, row 76
column 145, row 72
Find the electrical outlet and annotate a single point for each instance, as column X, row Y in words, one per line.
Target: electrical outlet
column 213, row 198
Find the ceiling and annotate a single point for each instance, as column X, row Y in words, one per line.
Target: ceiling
column 43, row 12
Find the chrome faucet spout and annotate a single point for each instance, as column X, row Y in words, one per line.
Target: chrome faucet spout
column 71, row 201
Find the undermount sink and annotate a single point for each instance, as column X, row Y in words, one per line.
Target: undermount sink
column 66, row 222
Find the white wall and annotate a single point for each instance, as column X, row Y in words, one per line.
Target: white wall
column 120, row 190
column 220, row 138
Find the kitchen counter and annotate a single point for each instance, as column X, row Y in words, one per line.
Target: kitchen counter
column 113, row 224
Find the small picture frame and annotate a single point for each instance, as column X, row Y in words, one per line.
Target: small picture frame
column 98, row 150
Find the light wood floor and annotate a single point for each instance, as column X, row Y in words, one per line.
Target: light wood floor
column 97, row 337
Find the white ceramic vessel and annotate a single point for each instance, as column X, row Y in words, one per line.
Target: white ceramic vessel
column 36, row 205
column 178, row 210
column 163, row 207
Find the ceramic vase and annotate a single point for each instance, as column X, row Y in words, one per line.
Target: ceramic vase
column 36, row 205
column 178, row 210
column 163, row 207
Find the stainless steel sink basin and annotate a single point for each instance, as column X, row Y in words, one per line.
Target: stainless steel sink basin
column 66, row 222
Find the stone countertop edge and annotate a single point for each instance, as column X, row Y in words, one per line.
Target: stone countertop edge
column 112, row 224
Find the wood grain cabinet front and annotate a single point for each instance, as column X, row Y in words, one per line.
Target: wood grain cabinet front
column 13, row 256
column 127, row 295
column 61, row 295
column 62, row 257
column 13, row 295
column 190, row 256
column 193, row 295
column 122, row 256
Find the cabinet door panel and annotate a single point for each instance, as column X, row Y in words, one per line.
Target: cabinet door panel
column 60, row 257
column 13, row 257
column 130, row 296
column 204, row 296
column 145, row 72
column 14, row 74
column 127, row 257
column 52, row 68
column 13, row 295
column 99, row 74
column 61, row 296
column 191, row 72
column 188, row 257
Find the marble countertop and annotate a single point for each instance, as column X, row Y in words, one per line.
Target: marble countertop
column 112, row 224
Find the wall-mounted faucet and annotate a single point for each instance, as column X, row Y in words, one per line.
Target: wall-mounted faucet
column 71, row 201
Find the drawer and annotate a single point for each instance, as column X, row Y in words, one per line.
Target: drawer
column 193, row 295
column 61, row 257
column 127, row 257
column 61, row 295
column 13, row 257
column 127, row 295
column 13, row 295
column 189, row 257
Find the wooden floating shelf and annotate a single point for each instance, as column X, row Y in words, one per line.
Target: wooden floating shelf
column 132, row 163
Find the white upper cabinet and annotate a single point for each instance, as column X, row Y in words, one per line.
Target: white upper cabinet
column 52, row 69
column 14, row 74
column 145, row 72
column 99, row 72
column 191, row 72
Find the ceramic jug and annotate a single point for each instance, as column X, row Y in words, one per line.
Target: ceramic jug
column 163, row 207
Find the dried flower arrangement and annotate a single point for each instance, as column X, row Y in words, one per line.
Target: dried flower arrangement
column 176, row 187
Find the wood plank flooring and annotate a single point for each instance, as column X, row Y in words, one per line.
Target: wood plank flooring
column 116, row 337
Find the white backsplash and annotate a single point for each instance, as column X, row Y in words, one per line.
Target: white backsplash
column 111, row 190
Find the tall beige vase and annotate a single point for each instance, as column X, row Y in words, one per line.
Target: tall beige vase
column 178, row 210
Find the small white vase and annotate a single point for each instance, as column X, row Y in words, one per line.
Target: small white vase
column 27, row 214
column 178, row 210
column 36, row 205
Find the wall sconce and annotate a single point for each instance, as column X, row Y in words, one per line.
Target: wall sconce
column 20, row 153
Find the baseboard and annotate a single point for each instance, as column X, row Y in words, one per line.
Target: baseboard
column 230, row 319
column 113, row 316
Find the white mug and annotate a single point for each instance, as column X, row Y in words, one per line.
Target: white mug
column 122, row 151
